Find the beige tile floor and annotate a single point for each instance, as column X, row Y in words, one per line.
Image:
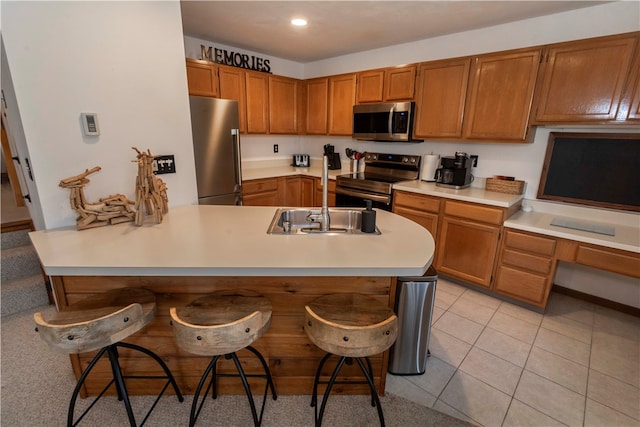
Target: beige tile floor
column 497, row 364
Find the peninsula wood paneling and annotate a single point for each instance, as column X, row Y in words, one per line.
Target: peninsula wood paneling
column 285, row 346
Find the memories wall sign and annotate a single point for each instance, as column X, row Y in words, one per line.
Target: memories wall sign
column 235, row 59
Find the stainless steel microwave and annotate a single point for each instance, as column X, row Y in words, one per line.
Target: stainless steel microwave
column 390, row 122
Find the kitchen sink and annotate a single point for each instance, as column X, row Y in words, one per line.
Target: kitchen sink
column 296, row 221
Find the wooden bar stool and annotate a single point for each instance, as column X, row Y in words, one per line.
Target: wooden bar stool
column 220, row 324
column 101, row 322
column 353, row 327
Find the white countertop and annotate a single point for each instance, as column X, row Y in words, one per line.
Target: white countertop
column 627, row 235
column 272, row 171
column 232, row 241
column 471, row 194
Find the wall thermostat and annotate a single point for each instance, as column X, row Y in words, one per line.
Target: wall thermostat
column 90, row 124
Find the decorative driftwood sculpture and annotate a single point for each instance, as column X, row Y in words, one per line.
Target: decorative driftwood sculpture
column 113, row 209
column 151, row 191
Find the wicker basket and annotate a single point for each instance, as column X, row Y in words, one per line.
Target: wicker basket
column 504, row 186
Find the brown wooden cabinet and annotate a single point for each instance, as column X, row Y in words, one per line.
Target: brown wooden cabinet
column 526, row 267
column 260, row 192
column 386, row 85
column 630, row 104
column 257, row 97
column 202, row 78
column 283, row 105
column 634, row 104
column 331, row 192
column 467, row 249
column 370, row 85
column 342, row 92
column 232, row 86
column 317, row 106
column 440, row 98
column 399, row 83
column 290, row 193
column 419, row 208
column 500, row 96
column 582, row 81
column 307, row 191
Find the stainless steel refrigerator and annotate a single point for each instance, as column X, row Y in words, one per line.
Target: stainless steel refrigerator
column 216, row 148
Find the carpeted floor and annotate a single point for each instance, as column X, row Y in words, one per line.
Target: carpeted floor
column 37, row 384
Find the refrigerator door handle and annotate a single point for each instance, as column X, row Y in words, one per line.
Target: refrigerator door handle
column 235, row 134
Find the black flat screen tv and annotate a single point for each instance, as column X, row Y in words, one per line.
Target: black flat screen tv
column 595, row 169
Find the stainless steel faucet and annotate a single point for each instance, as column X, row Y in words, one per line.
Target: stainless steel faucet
column 323, row 217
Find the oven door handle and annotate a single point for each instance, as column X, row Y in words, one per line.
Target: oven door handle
column 363, row 195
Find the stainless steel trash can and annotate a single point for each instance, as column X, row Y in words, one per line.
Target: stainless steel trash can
column 414, row 307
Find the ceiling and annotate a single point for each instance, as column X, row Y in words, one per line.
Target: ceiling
column 343, row 27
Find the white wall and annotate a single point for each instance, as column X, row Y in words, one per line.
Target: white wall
column 121, row 60
column 610, row 18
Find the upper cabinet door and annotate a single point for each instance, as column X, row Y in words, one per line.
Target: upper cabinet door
column 370, row 86
column 583, row 81
column 634, row 107
column 342, row 95
column 500, row 96
column 317, row 106
column 232, row 81
column 386, row 85
column 283, row 105
column 442, row 90
column 399, row 83
column 202, row 78
column 257, row 89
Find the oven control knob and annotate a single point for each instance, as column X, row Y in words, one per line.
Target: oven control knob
column 405, row 160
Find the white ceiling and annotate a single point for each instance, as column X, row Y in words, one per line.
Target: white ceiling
column 343, row 27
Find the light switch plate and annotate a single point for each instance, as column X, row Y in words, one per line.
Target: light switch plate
column 90, row 125
column 164, row 164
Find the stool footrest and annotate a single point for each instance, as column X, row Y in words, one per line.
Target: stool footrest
column 119, row 381
column 368, row 374
column 198, row 403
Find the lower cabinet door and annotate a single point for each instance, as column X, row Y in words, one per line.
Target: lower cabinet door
column 522, row 285
column 467, row 250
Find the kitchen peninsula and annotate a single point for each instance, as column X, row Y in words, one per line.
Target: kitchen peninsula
column 201, row 249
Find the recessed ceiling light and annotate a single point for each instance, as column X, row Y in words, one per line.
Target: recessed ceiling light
column 299, row 22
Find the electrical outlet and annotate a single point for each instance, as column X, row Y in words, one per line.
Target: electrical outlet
column 474, row 158
column 275, row 148
column 164, row 164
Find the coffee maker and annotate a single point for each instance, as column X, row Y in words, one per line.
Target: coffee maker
column 455, row 172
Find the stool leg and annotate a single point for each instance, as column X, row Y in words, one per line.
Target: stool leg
column 160, row 362
column 334, row 375
column 247, row 389
column 314, row 396
column 267, row 371
column 195, row 408
column 120, row 385
column 374, row 393
column 76, row 390
column 373, row 403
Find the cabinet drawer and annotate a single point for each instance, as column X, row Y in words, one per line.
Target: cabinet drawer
column 416, row 201
column 260, row 186
column 536, row 244
column 524, row 286
column 609, row 260
column 530, row 262
column 473, row 211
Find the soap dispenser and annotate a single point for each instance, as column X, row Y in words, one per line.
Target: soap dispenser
column 368, row 224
